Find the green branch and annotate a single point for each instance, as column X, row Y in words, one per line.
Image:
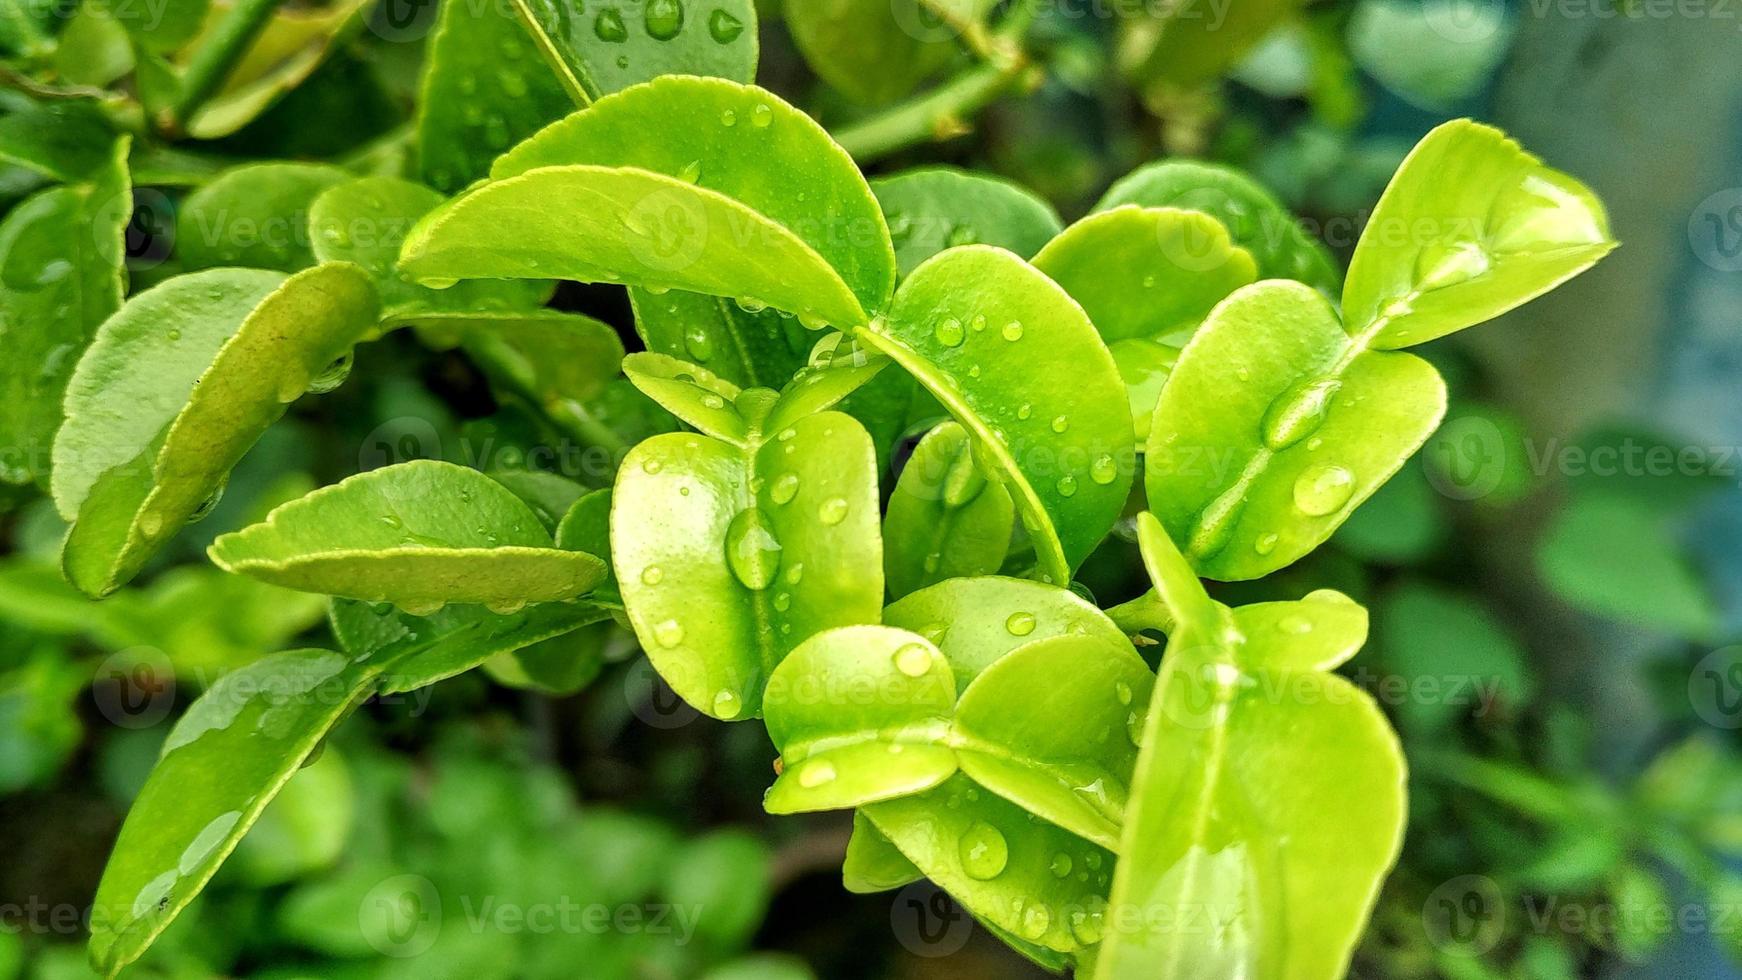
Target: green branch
column 215, row 59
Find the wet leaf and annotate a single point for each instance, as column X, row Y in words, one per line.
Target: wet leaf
column 597, row 51
column 255, row 216
column 750, row 349
column 935, row 208
column 945, row 518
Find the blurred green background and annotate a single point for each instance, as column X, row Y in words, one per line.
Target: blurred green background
column 1556, row 579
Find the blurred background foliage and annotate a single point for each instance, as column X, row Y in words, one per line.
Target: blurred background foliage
column 1555, row 579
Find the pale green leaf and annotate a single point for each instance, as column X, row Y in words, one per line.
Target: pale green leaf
column 694, row 394
column 452, row 640
column 1616, row 557
column 255, row 216
column 945, row 518
column 975, row 621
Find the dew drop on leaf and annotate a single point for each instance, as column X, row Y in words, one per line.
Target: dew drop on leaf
column 914, row 659
column 1060, row 424
column 1122, row 691
column 1266, row 543
column 1104, row 470
column 818, row 772
column 1020, row 623
column 1295, row 625
column 664, row 19
column 1035, row 921
column 1061, row 865
column 784, row 488
column 651, row 575
column 506, row 607
column 608, row 26
column 724, row 28
column 762, row 116
column 984, row 852
column 1323, row 489
column 729, row 118
column 950, row 333
column 333, row 375
column 151, row 524
column 1298, row 412
column 833, row 511
column 752, row 550
column 1013, row 331
column 727, row 705
column 669, row 633
column 1086, row 925
column 1134, row 727
column 204, row 510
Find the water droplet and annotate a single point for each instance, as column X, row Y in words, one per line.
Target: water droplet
column 1134, row 727
column 514, row 84
column 784, row 488
column 392, row 522
column 175, row 335
column 794, row 574
column 729, row 118
column 783, row 602
column 1266, row 543
column 984, row 852
column 691, row 173
column 1104, row 470
column 1060, row 424
column 1013, row 331
column 762, row 116
column 333, row 375
column 650, row 466
column 204, row 510
column 914, row 659
column 751, row 305
column 421, row 607
column 724, row 28
column 1323, row 489
column 1067, row 486
column 752, row 550
column 609, row 26
column 699, row 344
column 713, row 401
column 950, row 333
column 1215, row 525
column 833, row 511
column 1298, row 412
column 668, row 634
column 1025, row 412
column 1061, row 865
column 1087, row 925
column 664, row 19
column 651, row 575
column 1020, row 623
column 151, row 524
column 962, row 235
column 1122, row 691
column 506, row 607
column 817, row 772
column 727, row 705
column 1035, row 921
column 1295, row 625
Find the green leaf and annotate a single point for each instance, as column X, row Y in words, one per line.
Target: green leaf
column 1194, row 41
column 936, row 208
column 1615, row 557
column 694, row 394
column 593, row 199
column 551, row 497
column 596, row 52
column 1267, row 797
column 255, row 216
column 945, row 518
column 1432, row 635
column 419, row 534
column 587, row 527
column 224, row 762
column 1147, row 273
column 365, row 221
column 1274, row 425
column 1014, row 359
column 1471, row 226
column 560, row 362
column 485, row 88
column 62, row 255
column 70, row 142
column 559, row 666
column 304, row 830
column 176, row 387
column 859, row 714
column 729, row 556
column 838, row 367
column 976, row 621
column 293, row 44
column 451, row 640
column 750, row 349
column 873, row 863
column 878, row 50
column 1002, row 865
column 1403, row 46
column 1255, row 219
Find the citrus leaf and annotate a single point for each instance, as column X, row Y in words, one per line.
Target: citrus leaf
column 293, row 44
column 1255, row 219
column 945, row 519
column 873, row 862
column 693, row 394
column 1014, row 359
column 838, row 367
column 859, row 714
column 451, row 640
column 176, row 387
column 591, row 198
column 1195, row 41
column 1275, row 425
column 750, row 349
column 1614, row 557
column 71, row 142
column 1470, row 226
column 419, row 534
column 255, row 216
column 876, row 50
column 936, row 208
column 729, row 556
column 1266, row 797
column 976, row 621
column 561, row 362
column 485, row 87
column 603, row 51
column 62, row 254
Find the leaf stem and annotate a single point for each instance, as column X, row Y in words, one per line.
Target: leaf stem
column 1146, row 612
column 212, row 63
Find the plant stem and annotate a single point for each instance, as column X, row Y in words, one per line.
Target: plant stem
column 212, row 63
column 938, row 114
column 1146, row 612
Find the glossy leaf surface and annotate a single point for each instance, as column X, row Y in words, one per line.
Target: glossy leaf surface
column 975, row 621
column 597, row 51
column 750, row 349
column 877, row 50
column 1471, row 226
column 945, row 518
column 175, row 389
column 255, row 216
column 1014, row 359
column 452, row 640
column 936, row 208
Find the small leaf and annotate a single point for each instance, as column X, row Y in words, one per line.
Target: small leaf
column 838, row 367
column 873, row 863
column 761, row 349
column 976, row 621
column 1266, row 797
column 561, row 362
column 600, row 51
column 1471, row 226
column 587, row 527
column 876, row 50
column 1146, row 273
column 452, row 640
column 592, row 199
column 485, row 87
column 858, row 714
column 1195, row 41
column 1014, row 359
column 1275, row 425
column 694, row 394
column 729, row 556
column 71, row 142
column 1433, row 635
column 1255, row 219
column 62, row 256
column 1615, row 557
column 255, row 216
column 418, row 534
column 1320, row 632
column 174, row 390
column 559, row 666
column 945, row 519
column 936, row 208
column 284, row 54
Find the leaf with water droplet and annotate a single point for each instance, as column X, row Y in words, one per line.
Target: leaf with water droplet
column 973, row 612
column 818, row 715
column 603, row 48
column 933, row 200
column 691, row 392
column 1503, row 228
column 1274, row 425
column 873, row 862
column 416, row 533
column 675, row 505
column 838, row 366
column 253, row 216
column 760, row 349
column 1060, row 368
column 944, row 506
column 51, row 316
column 189, row 408
column 1253, row 216
column 592, row 199
column 1228, row 769
column 1147, row 273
